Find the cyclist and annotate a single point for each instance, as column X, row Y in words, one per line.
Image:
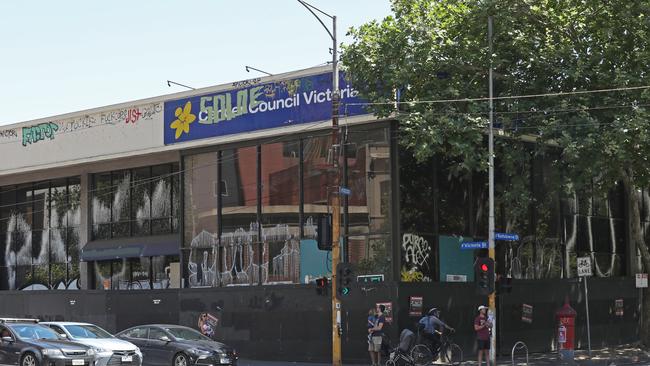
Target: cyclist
column 432, row 328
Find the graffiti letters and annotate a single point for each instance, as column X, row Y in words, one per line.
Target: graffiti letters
column 39, row 132
column 8, row 134
column 217, row 108
column 245, row 83
column 416, row 249
column 132, row 115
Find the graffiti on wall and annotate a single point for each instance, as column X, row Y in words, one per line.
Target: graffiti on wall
column 416, row 258
column 39, row 132
column 48, row 130
column 8, row 134
column 232, row 259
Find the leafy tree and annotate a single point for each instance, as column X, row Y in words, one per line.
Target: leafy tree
column 433, row 51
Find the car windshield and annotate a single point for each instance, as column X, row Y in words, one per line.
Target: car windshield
column 29, row 331
column 87, row 331
column 187, row 334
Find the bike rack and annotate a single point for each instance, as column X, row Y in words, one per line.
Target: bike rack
column 519, row 345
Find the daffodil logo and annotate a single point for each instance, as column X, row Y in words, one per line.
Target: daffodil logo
column 183, row 119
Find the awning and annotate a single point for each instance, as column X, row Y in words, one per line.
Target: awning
column 150, row 246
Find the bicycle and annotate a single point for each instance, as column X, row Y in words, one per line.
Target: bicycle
column 448, row 352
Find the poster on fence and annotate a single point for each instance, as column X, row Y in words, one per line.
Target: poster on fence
column 526, row 313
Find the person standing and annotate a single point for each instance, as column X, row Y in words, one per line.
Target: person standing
column 376, row 335
column 482, row 327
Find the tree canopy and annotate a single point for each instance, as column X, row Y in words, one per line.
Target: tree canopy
column 570, row 76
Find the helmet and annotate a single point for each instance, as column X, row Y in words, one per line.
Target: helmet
column 434, row 311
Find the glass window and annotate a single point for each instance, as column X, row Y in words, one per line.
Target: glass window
column 281, row 211
column 369, row 215
column 155, row 333
column 135, row 202
column 141, row 205
column 138, row 333
column 239, row 239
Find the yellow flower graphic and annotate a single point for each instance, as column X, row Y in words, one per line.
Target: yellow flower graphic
column 183, row 119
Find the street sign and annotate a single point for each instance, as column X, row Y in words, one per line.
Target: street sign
column 506, row 236
column 370, row 278
column 584, row 266
column 474, row 245
column 345, row 191
column 641, row 280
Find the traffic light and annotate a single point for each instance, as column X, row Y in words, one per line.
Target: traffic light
column 321, row 285
column 484, row 275
column 344, row 280
column 324, row 232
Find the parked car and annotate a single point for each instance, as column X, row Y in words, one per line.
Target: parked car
column 24, row 342
column 109, row 350
column 175, row 345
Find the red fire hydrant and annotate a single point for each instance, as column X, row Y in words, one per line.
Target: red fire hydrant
column 566, row 317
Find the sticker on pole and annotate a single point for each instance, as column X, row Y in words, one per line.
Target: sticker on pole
column 641, row 280
column 584, row 266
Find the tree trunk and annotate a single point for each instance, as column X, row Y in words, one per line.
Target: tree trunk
column 636, row 237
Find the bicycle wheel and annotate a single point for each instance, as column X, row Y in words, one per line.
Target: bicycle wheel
column 390, row 363
column 421, row 355
column 452, row 354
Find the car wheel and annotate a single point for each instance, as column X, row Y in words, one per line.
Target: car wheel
column 179, row 360
column 29, row 359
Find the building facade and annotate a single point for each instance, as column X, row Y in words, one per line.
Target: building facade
column 218, row 187
column 207, row 201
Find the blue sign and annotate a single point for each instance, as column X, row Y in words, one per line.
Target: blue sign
column 504, row 236
column 474, row 245
column 253, row 105
column 345, row 191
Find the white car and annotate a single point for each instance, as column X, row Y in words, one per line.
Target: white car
column 109, row 350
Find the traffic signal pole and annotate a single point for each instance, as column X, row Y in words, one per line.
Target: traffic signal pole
column 492, row 313
column 336, row 204
column 335, row 195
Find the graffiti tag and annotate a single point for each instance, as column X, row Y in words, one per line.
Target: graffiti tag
column 416, row 249
column 7, row 134
column 39, row 132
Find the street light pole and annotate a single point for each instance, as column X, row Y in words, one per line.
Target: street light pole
column 492, row 297
column 337, row 329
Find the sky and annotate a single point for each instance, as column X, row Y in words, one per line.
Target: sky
column 65, row 56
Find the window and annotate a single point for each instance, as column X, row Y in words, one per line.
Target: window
column 155, row 333
column 40, row 248
column 138, row 333
column 135, row 202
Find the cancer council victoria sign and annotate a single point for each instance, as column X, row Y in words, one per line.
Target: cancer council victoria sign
column 254, row 105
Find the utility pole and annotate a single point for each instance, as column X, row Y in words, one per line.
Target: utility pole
column 335, row 195
column 492, row 299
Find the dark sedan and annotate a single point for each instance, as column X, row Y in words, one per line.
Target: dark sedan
column 29, row 344
column 174, row 345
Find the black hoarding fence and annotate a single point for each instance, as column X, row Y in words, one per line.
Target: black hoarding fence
column 292, row 322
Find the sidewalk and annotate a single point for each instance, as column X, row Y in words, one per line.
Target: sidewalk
column 614, row 356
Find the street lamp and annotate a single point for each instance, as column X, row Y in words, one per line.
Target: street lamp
column 169, row 83
column 335, row 197
column 249, row 68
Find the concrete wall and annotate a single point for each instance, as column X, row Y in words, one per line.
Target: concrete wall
column 293, row 322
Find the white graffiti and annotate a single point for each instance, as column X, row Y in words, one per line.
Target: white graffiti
column 416, row 249
column 231, row 260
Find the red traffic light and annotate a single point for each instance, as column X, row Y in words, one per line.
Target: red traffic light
column 484, row 267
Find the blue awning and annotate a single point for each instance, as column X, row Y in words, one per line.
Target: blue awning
column 151, row 246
